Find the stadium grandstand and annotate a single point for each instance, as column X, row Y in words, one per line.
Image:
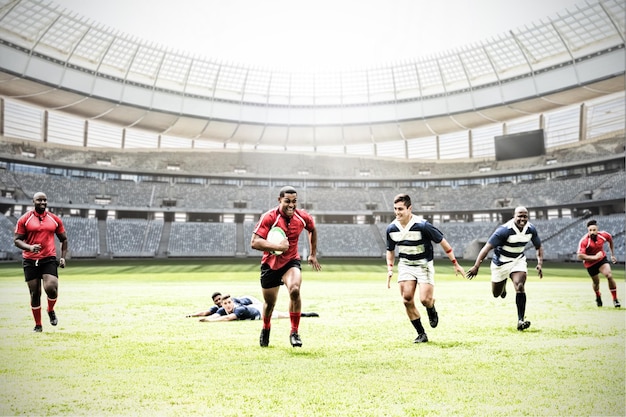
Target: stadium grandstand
column 148, row 152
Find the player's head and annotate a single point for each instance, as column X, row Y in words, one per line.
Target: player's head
column 217, row 298
column 520, row 217
column 592, row 227
column 287, row 199
column 402, row 206
column 41, row 202
column 227, row 304
column 287, row 189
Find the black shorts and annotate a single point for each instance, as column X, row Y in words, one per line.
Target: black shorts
column 37, row 268
column 271, row 278
column 594, row 269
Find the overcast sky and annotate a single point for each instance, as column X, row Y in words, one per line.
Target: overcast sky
column 315, row 34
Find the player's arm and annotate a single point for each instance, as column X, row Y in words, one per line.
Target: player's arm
column 612, row 249
column 473, row 271
column 312, row 259
column 63, row 239
column 19, row 241
column 584, row 257
column 581, row 254
column 540, row 261
column 200, row 314
column 390, row 257
column 447, row 248
column 258, row 243
column 217, row 317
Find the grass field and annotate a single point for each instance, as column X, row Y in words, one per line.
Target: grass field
column 124, row 347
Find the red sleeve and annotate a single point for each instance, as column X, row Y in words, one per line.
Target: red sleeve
column 582, row 245
column 310, row 224
column 20, row 227
column 262, row 227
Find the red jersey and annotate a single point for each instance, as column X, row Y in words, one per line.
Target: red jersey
column 588, row 246
column 292, row 227
column 39, row 229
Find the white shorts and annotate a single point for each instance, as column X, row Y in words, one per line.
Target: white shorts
column 501, row 273
column 423, row 274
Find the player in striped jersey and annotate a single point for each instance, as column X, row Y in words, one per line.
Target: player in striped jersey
column 413, row 238
column 509, row 261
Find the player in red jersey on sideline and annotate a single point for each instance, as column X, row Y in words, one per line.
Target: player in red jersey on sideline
column 284, row 269
column 590, row 251
column 34, row 234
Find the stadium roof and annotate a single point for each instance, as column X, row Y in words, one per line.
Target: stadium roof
column 54, row 59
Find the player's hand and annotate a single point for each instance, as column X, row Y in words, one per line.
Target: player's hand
column 389, row 275
column 472, row 272
column 62, row 262
column 458, row 269
column 312, row 260
column 284, row 245
column 539, row 271
column 36, row 248
column 613, row 259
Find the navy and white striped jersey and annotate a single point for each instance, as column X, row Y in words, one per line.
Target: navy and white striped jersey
column 414, row 241
column 509, row 242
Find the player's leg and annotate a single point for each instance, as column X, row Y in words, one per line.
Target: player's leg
column 269, row 296
column 605, row 269
column 519, row 281
column 498, row 289
column 407, row 291
column 34, row 288
column 427, row 299
column 51, row 287
column 293, row 281
column 426, row 282
column 499, row 275
column 595, row 284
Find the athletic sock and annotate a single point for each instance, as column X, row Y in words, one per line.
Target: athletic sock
column 520, row 301
column 37, row 315
column 598, row 294
column 267, row 322
column 417, row 323
column 295, row 321
column 51, row 303
column 614, row 293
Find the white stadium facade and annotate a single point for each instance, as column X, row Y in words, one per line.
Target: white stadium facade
column 138, row 145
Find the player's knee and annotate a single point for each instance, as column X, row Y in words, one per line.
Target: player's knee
column 426, row 301
column 35, row 293
column 294, row 292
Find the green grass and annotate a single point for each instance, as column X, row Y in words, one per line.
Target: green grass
column 124, row 347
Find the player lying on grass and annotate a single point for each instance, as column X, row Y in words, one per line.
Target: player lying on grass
column 231, row 311
column 217, row 301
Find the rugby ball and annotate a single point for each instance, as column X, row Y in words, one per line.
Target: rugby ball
column 276, row 235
